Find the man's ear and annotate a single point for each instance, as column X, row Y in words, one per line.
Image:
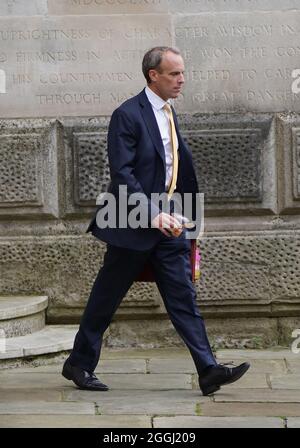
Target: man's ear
column 153, row 75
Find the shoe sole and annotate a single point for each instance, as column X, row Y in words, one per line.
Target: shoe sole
column 210, row 390
column 65, row 373
column 93, row 389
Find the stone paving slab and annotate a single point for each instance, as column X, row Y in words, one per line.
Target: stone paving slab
column 168, row 392
column 275, row 366
column 121, row 366
column 246, row 354
column 104, row 366
column 11, row 395
column 293, row 365
column 40, row 377
column 228, row 394
column 161, row 365
column 142, row 402
column 9, row 380
column 290, row 381
column 46, row 407
column 239, row 409
column 75, row 421
column 153, row 381
column 248, row 381
column 114, row 381
column 293, row 422
column 164, row 365
column 169, row 353
column 217, row 422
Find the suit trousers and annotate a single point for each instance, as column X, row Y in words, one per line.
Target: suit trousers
column 170, row 260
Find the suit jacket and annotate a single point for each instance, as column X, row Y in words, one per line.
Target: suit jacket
column 137, row 159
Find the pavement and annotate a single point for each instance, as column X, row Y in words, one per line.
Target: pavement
column 156, row 388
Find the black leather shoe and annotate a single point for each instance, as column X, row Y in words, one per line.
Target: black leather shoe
column 82, row 378
column 220, row 375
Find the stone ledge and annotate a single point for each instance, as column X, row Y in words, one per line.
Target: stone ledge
column 52, row 339
column 12, row 307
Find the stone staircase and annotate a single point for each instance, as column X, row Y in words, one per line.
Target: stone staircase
column 25, row 339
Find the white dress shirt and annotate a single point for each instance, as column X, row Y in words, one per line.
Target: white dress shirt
column 162, row 119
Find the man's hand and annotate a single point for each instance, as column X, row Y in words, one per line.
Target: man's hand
column 167, row 224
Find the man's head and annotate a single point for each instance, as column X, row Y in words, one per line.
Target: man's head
column 163, row 68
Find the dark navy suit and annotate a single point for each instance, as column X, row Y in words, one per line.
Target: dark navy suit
column 137, row 159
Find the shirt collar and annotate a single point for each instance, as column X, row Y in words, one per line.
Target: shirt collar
column 156, row 101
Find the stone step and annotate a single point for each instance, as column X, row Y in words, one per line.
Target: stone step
column 37, row 347
column 22, row 315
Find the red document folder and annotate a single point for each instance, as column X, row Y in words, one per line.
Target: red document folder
column 147, row 274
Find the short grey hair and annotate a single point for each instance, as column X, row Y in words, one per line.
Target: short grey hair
column 153, row 58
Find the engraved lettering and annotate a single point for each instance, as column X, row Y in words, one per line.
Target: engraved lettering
column 277, row 73
column 119, row 97
column 3, row 57
column 46, row 56
column 21, row 78
column 253, row 53
column 40, row 34
column 127, row 55
column 296, row 83
column 191, row 32
column 114, row 2
column 70, row 98
column 287, row 51
column 212, row 52
column 207, row 75
column 248, row 74
column 212, row 96
column 66, row 78
column 94, row 55
column 287, row 29
column 245, row 30
column 105, row 34
column 145, row 33
column 267, row 95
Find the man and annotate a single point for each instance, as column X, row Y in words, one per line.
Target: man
column 148, row 155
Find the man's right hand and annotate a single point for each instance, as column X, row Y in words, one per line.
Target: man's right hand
column 167, row 224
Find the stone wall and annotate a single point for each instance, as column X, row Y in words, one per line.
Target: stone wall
column 65, row 65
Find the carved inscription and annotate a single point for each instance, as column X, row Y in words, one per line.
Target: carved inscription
column 108, row 6
column 75, row 66
column 88, row 65
column 163, row 6
column 240, row 62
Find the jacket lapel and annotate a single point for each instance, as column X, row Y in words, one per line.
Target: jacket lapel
column 151, row 123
